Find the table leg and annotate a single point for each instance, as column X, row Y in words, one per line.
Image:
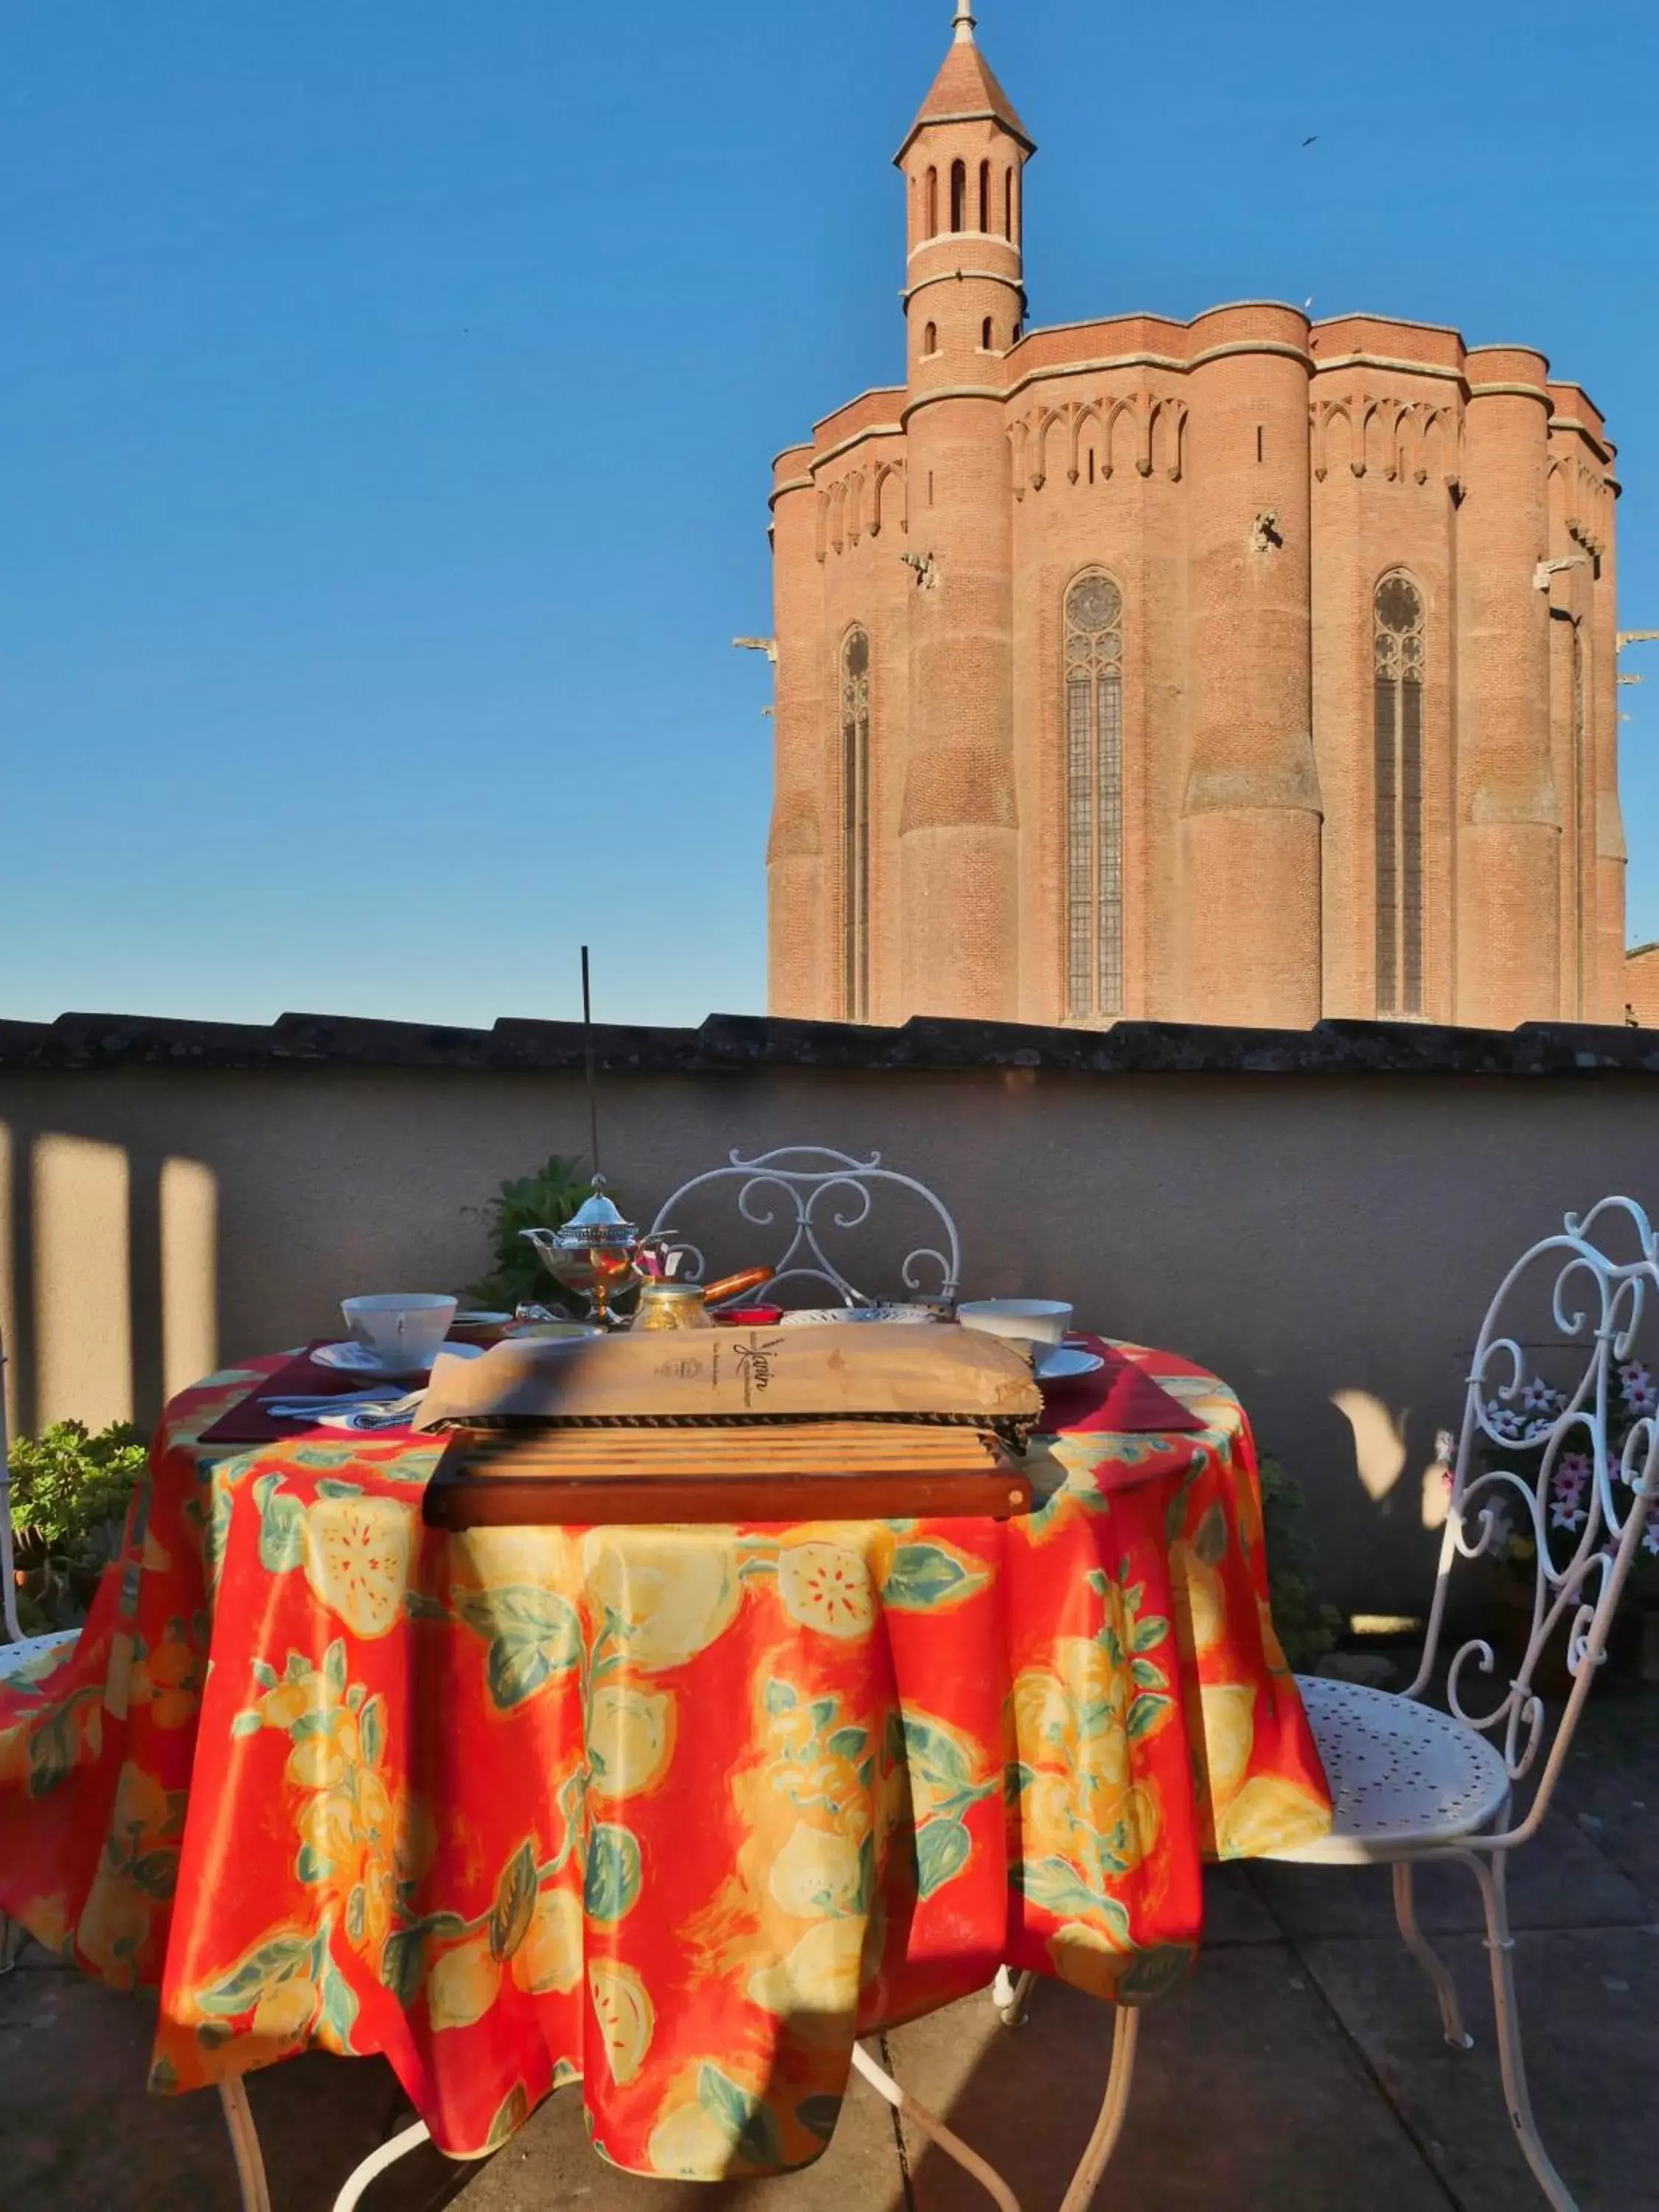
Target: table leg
column 935, row 2129
column 245, row 2146
column 1110, row 2126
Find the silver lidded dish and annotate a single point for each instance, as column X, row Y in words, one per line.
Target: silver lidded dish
column 596, row 1253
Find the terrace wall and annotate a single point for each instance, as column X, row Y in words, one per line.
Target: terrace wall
column 1320, row 1216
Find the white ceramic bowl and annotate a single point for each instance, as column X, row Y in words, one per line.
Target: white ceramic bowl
column 402, row 1328
column 1032, row 1321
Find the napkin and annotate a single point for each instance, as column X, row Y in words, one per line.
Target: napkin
column 251, row 1422
column 1120, row 1395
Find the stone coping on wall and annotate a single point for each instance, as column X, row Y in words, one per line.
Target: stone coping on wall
column 738, row 1043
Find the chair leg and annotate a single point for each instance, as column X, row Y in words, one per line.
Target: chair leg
column 245, row 2146
column 934, row 2129
column 1126, row 2032
column 1008, row 1994
column 1445, row 1989
column 12, row 1940
column 1500, row 1945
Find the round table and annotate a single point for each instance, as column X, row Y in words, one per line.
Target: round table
column 675, row 1811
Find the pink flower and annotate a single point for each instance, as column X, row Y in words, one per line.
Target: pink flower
column 1636, row 1386
column 1566, row 1513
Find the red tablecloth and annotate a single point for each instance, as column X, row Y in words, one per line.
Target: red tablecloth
column 674, row 1811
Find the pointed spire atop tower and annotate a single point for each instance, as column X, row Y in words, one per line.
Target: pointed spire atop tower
column 965, row 90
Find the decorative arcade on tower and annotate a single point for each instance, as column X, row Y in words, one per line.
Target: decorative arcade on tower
column 1246, row 670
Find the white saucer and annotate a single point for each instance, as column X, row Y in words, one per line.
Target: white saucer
column 357, row 1359
column 1060, row 1362
column 480, row 1319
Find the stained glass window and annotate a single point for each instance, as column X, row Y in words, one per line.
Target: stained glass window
column 1398, row 661
column 855, row 825
column 1094, row 798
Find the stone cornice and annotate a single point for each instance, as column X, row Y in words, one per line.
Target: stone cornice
column 951, row 392
column 1014, row 281
column 1598, row 445
column 870, row 391
column 734, row 1044
column 1507, row 391
column 857, row 438
column 1179, row 364
column 1394, row 363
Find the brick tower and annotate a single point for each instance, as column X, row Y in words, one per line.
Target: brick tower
column 964, row 299
column 1242, row 670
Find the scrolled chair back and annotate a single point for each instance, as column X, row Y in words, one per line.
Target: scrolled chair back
column 813, row 1195
column 1557, row 1470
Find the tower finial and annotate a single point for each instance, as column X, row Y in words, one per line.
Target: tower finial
column 964, row 22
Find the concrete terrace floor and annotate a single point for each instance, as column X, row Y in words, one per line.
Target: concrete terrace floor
column 1301, row 2067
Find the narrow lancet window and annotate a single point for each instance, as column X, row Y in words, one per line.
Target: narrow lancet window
column 855, row 825
column 932, row 204
column 1398, row 731
column 958, row 196
column 1093, row 706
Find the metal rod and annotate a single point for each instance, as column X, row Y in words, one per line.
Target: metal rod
column 588, row 1054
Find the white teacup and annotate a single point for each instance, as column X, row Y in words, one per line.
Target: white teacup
column 1030, row 1321
column 403, row 1328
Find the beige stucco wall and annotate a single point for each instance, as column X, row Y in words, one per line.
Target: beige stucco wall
column 1326, row 1243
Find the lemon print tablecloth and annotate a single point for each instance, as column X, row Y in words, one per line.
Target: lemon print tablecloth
column 675, row 1811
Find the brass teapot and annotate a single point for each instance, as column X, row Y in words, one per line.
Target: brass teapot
column 666, row 1302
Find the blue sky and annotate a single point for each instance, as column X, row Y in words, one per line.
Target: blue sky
column 389, row 391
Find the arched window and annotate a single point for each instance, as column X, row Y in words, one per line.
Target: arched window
column 1398, row 633
column 855, row 825
column 1094, row 798
column 984, row 335
column 1008, row 204
column 985, row 196
column 930, row 338
column 932, row 204
column 958, row 196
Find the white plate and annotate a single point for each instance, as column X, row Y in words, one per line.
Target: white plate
column 822, row 1316
column 357, row 1359
column 1061, row 1361
column 479, row 1319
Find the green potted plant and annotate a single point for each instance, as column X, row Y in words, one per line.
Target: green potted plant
column 545, row 1199
column 70, row 1494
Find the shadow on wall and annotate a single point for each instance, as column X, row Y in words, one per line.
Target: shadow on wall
column 111, row 1277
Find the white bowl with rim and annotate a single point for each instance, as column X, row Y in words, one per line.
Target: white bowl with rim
column 1027, row 1321
column 402, row 1328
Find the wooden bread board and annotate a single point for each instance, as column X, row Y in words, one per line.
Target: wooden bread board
column 837, row 1471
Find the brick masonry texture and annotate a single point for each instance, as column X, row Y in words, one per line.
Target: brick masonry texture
column 1247, row 480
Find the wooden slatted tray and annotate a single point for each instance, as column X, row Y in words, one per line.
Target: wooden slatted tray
column 772, row 1471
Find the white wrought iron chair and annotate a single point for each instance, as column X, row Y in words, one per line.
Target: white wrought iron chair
column 1410, row 1782
column 818, row 1191
column 17, row 1650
